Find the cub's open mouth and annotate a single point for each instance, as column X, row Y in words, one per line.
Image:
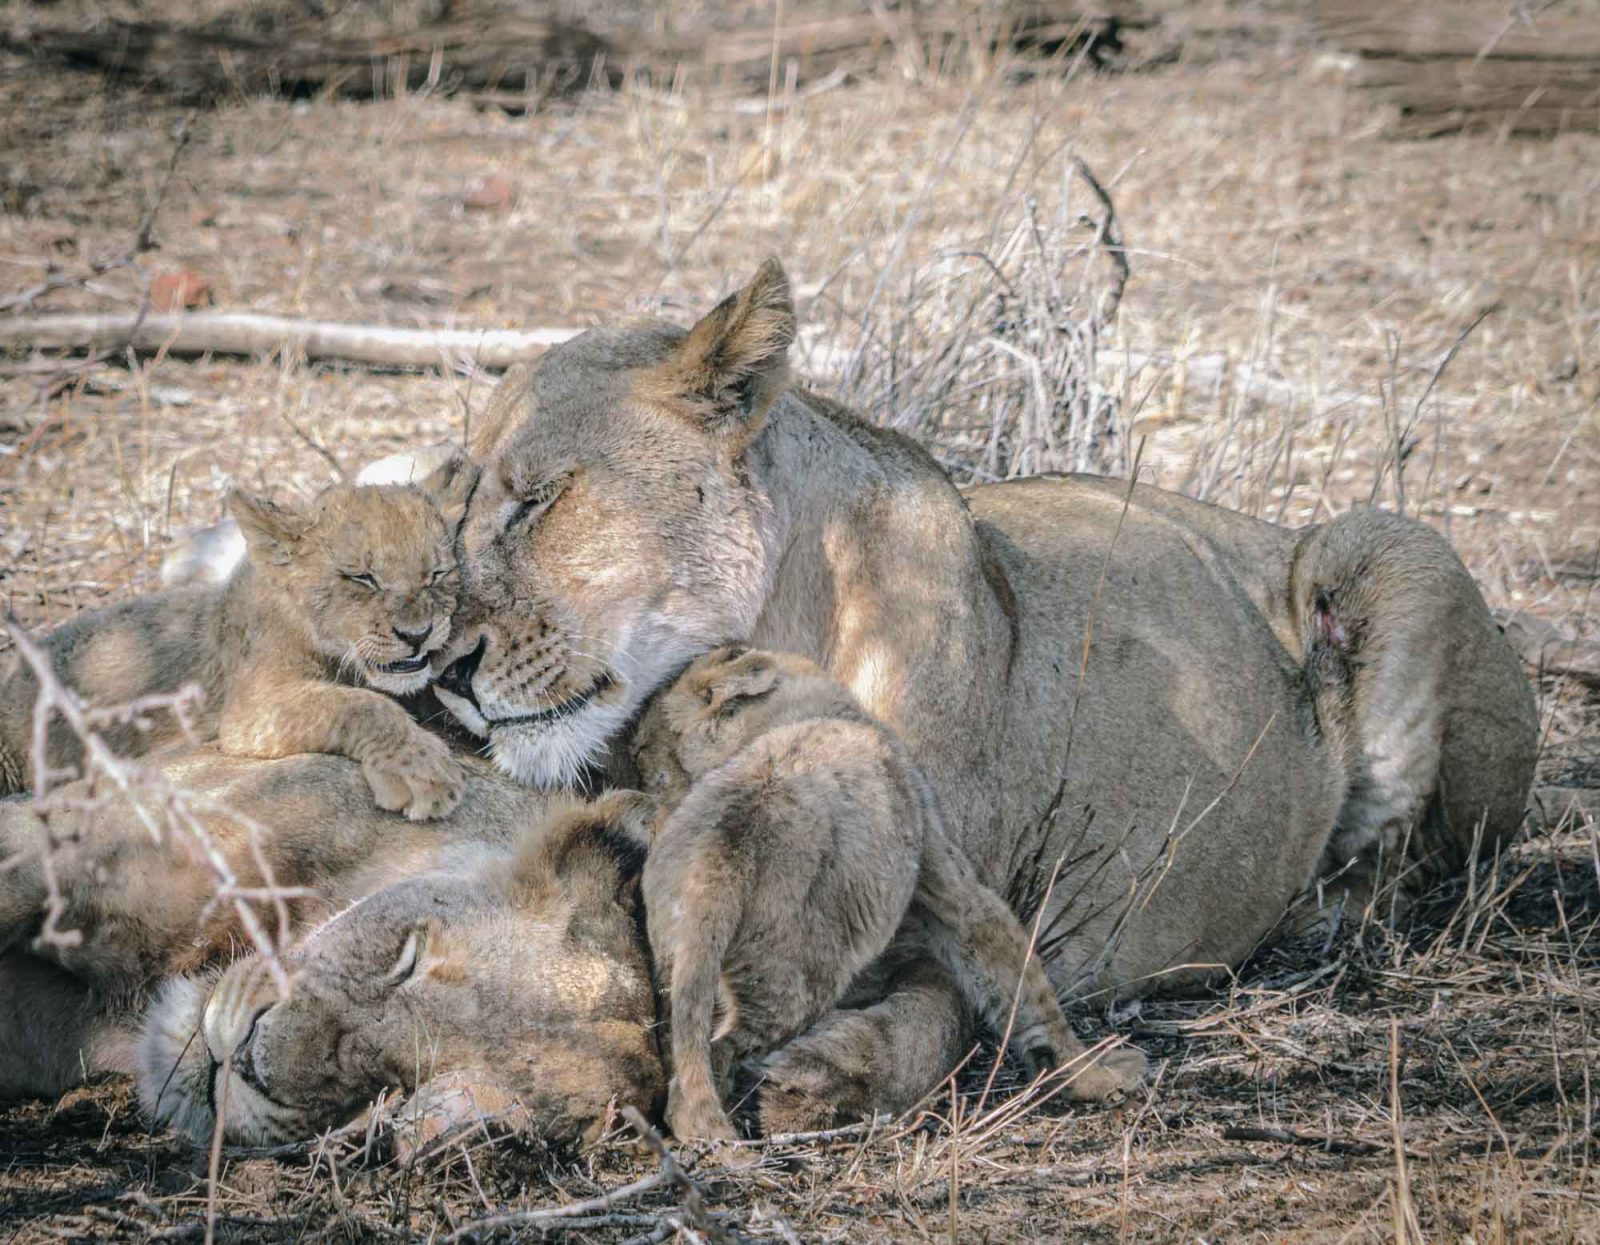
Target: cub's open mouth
column 406, row 665
column 555, row 713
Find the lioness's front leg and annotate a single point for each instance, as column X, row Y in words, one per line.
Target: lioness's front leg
column 409, row 770
column 855, row 1063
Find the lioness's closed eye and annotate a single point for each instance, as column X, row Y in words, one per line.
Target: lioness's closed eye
column 357, row 588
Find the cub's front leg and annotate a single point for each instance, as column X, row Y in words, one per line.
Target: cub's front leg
column 409, row 770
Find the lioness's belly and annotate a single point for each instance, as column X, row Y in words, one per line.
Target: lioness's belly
column 1197, row 796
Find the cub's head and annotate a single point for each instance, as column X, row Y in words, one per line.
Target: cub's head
column 618, row 529
column 722, row 702
column 525, row 971
column 370, row 571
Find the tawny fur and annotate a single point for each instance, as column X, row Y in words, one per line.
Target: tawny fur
column 797, row 841
column 330, row 596
column 526, row 979
column 651, row 493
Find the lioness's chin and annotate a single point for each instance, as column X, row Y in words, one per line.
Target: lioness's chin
column 464, row 711
column 556, row 754
column 398, row 682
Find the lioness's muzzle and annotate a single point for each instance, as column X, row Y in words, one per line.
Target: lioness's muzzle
column 456, row 678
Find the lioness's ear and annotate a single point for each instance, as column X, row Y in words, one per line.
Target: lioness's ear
column 588, row 849
column 450, row 485
column 270, row 530
column 735, row 362
column 505, row 407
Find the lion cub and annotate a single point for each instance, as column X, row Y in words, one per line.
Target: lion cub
column 356, row 588
column 795, row 838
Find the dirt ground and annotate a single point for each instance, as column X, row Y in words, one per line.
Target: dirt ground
column 1284, row 346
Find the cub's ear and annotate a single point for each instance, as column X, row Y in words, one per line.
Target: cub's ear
column 271, row 530
column 449, row 486
column 735, row 362
column 750, row 676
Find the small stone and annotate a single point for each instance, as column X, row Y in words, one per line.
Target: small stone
column 174, row 291
column 492, row 194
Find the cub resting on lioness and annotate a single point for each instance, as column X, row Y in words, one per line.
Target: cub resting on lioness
column 359, row 585
column 795, row 839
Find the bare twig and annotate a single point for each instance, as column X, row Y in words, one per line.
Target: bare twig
column 691, row 1195
column 160, row 808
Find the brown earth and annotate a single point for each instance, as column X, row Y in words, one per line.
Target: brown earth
column 1297, row 281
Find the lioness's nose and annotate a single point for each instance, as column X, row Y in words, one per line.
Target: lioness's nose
column 414, row 638
column 457, row 676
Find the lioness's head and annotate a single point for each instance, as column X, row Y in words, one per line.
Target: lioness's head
column 369, row 570
column 722, row 702
column 615, row 532
column 525, row 970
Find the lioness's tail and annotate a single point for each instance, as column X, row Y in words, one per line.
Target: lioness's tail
column 1414, row 685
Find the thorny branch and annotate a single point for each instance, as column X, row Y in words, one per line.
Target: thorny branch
column 695, row 1220
column 162, row 809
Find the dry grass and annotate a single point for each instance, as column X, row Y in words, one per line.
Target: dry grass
column 1297, row 283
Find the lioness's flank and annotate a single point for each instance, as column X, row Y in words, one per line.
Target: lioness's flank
column 798, row 841
column 359, row 586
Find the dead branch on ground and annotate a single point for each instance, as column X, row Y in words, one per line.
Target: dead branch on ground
column 232, row 333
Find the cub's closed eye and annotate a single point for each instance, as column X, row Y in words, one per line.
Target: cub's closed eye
column 439, row 572
column 362, row 578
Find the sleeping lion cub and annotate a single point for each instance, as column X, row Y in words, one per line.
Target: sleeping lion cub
column 357, row 587
column 796, row 840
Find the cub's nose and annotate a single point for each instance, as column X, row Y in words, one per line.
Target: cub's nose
column 457, row 676
column 414, row 638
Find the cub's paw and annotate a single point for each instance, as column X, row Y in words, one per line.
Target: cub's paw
column 1113, row 1074
column 415, row 775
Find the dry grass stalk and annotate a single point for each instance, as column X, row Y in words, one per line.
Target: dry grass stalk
column 170, row 814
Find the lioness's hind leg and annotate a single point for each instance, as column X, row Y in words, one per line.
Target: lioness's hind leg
column 973, row 931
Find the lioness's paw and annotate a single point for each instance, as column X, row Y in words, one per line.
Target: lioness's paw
column 416, row 776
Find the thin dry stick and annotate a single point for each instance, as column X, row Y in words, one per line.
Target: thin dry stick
column 1407, row 1228
column 549, row 1218
column 955, row 1161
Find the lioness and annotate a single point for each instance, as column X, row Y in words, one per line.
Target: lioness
column 495, row 957
column 650, row 493
column 796, row 839
column 359, row 586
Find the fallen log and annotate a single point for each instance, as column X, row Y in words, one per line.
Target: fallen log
column 1458, row 67
column 232, row 333
column 496, row 56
